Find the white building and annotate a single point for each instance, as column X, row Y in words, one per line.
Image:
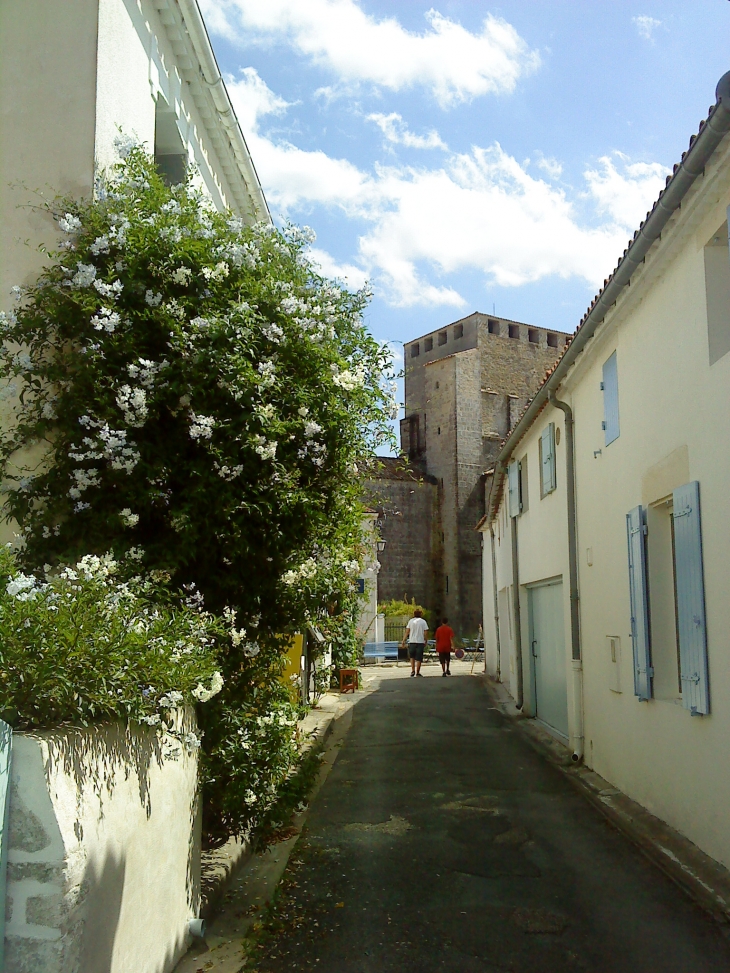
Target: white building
column 607, row 538
column 72, row 74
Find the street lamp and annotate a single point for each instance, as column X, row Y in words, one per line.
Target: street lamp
column 381, row 546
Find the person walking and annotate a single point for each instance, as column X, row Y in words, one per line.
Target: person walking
column 415, row 632
column 444, row 644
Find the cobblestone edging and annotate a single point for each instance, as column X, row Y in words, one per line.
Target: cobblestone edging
column 702, row 878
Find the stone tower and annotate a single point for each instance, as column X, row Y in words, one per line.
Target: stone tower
column 465, row 387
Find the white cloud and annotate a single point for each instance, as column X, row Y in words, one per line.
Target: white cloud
column 646, row 26
column 481, row 211
column 625, row 195
column 550, row 166
column 455, row 64
column 354, row 277
column 395, row 130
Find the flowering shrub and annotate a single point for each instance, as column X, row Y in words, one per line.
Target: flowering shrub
column 187, row 386
column 83, row 645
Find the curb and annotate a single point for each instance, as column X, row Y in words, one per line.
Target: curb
column 220, row 867
column 700, row 877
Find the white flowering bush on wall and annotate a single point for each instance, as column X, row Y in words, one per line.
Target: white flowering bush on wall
column 80, row 644
column 195, row 390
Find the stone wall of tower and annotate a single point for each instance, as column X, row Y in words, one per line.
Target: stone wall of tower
column 466, row 386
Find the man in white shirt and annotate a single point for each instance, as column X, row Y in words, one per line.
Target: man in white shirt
column 415, row 632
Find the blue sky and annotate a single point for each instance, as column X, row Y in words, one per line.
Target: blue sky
column 468, row 156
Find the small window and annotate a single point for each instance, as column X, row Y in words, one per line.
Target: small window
column 493, row 326
column 458, row 331
column 514, row 331
column 662, row 584
column 609, row 385
column 533, row 336
column 415, row 350
column 552, row 340
column 548, row 479
column 438, row 431
column 170, row 155
column 428, row 344
column 442, row 337
column 517, row 486
column 438, row 385
column 717, row 292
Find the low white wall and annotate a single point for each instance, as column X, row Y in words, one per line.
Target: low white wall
column 104, row 851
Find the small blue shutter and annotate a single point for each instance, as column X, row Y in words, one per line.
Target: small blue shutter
column 610, row 399
column 513, row 478
column 547, row 453
column 643, row 671
column 690, row 599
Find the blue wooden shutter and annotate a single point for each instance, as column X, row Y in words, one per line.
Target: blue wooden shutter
column 547, row 454
column 643, row 671
column 610, row 399
column 513, row 479
column 690, row 599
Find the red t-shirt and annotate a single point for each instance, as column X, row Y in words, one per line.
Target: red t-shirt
column 444, row 635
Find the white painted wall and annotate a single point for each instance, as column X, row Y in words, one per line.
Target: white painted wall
column 104, row 860
column 674, row 407
column 675, row 423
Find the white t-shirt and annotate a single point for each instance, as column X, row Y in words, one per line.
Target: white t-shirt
column 417, row 628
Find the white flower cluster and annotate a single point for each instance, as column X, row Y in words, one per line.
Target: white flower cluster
column 112, row 290
column 145, row 372
column 133, row 403
column 111, row 444
column 92, row 567
column 83, row 479
column 70, row 223
column 175, row 308
column 106, row 320
column 347, row 379
column 171, row 700
column 351, row 567
column 154, row 300
column 267, row 371
column 228, row 472
column 306, row 571
column 128, row 518
column 100, row 245
column 216, row 684
column 265, row 448
column 201, row 427
column 124, row 145
column 200, row 322
column 23, row 587
column 245, row 254
column 182, row 276
column 84, row 277
column 7, row 320
column 273, row 332
column 251, row 650
column 312, row 449
column 217, row 273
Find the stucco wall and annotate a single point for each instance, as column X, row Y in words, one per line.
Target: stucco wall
column 670, row 399
column 674, row 414
column 104, row 859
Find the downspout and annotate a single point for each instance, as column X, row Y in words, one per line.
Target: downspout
column 576, row 660
column 516, row 612
column 496, row 607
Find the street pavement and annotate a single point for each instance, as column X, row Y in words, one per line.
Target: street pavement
column 441, row 841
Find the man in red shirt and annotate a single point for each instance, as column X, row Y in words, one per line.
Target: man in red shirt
column 444, row 644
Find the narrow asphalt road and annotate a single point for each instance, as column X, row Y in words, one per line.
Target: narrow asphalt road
column 441, row 841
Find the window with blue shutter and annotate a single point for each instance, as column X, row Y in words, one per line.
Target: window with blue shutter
column 690, row 599
column 513, row 482
column 548, row 479
column 610, row 399
column 643, row 672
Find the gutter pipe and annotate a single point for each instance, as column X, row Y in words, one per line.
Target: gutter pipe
column 496, row 608
column 577, row 733
column 519, row 701
column 670, row 199
column 211, row 76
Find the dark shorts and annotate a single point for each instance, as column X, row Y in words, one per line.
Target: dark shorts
column 415, row 651
column 445, row 656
